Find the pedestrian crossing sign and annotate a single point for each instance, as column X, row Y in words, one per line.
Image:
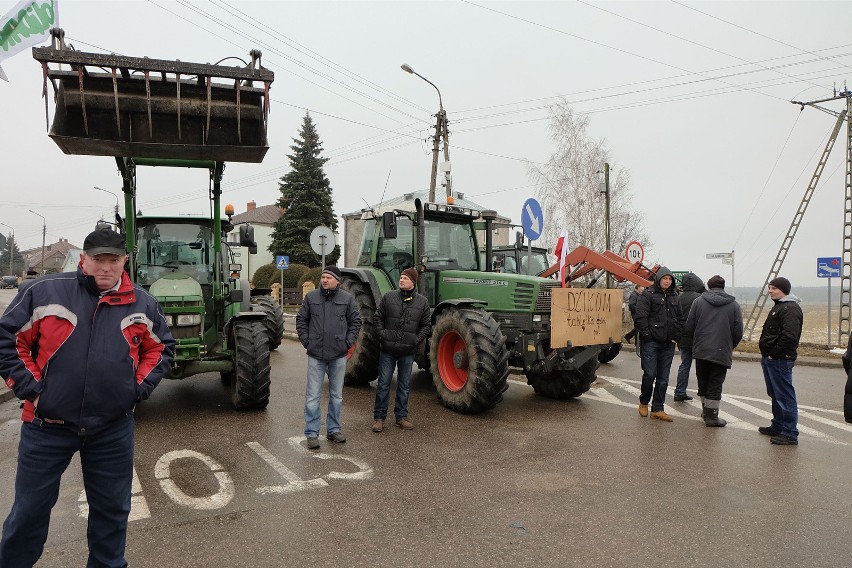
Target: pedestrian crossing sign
column 282, row 262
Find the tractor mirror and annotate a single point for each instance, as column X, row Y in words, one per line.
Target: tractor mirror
column 247, row 238
column 389, row 225
column 519, row 240
column 235, row 296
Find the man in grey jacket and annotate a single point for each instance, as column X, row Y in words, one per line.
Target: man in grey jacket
column 714, row 327
column 328, row 324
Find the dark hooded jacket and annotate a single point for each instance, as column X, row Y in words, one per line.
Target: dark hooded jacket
column 658, row 313
column 714, row 327
column 782, row 329
column 402, row 321
column 691, row 288
column 847, row 397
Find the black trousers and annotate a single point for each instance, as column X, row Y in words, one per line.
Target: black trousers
column 710, row 376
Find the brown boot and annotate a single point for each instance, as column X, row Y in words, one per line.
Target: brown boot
column 378, row 426
column 643, row 410
column 661, row 415
column 405, row 424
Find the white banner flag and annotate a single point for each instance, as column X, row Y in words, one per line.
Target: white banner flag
column 25, row 25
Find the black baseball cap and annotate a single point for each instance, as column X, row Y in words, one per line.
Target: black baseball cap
column 104, row 241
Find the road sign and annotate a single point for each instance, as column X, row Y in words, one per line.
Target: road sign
column 678, row 276
column 722, row 255
column 322, row 240
column 634, row 252
column 282, row 262
column 828, row 267
column 532, row 219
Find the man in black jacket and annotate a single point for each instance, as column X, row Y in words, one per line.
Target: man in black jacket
column 847, row 395
column 402, row 321
column 328, row 324
column 714, row 327
column 691, row 288
column 778, row 343
column 659, row 320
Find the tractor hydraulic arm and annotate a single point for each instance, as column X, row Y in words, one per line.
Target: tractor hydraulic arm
column 586, row 260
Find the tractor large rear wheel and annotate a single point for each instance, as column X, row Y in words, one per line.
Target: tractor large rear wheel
column 363, row 363
column 250, row 384
column 468, row 360
column 274, row 320
column 565, row 384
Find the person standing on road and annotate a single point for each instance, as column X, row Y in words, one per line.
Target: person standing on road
column 659, row 320
column 638, row 289
column 328, row 324
column 779, row 341
column 81, row 350
column 847, row 395
column 692, row 288
column 714, row 327
column 402, row 322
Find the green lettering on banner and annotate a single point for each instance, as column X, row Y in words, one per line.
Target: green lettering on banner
column 34, row 20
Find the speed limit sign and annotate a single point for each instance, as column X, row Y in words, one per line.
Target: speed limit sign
column 634, row 252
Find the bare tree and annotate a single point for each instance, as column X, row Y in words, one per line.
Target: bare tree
column 568, row 186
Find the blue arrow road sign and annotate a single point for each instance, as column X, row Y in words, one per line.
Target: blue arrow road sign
column 532, row 219
column 828, row 267
column 282, row 262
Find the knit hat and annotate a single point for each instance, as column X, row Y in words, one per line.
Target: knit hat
column 782, row 284
column 716, row 282
column 332, row 271
column 104, row 241
column 411, row 274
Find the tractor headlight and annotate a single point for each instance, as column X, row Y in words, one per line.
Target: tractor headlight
column 536, row 317
column 169, row 320
column 188, row 319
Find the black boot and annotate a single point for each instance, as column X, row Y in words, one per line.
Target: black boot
column 711, row 418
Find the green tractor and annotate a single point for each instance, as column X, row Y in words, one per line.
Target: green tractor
column 150, row 112
column 483, row 322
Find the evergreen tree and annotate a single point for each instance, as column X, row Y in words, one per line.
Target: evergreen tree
column 306, row 200
column 18, row 262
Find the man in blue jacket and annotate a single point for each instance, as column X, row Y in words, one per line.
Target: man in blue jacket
column 328, row 324
column 80, row 350
column 402, row 321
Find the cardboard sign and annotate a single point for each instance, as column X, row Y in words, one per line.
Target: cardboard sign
column 584, row 316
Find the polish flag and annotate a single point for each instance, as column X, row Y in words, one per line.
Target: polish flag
column 561, row 252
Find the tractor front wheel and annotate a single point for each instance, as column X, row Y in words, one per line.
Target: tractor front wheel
column 468, row 360
column 273, row 320
column 250, row 383
column 564, row 384
column 362, row 366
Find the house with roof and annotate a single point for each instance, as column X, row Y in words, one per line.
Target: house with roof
column 353, row 223
column 54, row 256
column 263, row 220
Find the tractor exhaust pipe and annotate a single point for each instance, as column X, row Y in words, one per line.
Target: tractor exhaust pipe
column 489, row 217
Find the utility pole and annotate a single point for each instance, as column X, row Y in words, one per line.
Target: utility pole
column 604, row 188
column 436, row 142
column 43, row 235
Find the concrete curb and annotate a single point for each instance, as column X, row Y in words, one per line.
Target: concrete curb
column 827, row 362
column 6, row 394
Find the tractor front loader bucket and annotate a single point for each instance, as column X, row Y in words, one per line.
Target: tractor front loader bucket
column 131, row 107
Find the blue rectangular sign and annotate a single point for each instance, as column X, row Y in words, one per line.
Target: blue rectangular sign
column 282, row 262
column 828, row 267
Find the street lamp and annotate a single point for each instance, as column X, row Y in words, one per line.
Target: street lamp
column 113, row 194
column 43, row 235
column 440, row 130
column 11, row 242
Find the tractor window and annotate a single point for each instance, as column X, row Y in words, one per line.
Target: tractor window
column 537, row 263
column 395, row 255
column 367, row 242
column 450, row 246
column 171, row 247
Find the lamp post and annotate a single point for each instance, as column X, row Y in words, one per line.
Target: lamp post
column 10, row 241
column 440, row 131
column 113, row 194
column 43, row 235
column 604, row 188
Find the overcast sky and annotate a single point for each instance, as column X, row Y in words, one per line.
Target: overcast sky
column 692, row 98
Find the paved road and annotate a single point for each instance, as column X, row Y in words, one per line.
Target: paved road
column 533, row 483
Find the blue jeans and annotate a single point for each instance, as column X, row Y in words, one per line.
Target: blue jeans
column 656, row 366
column 317, row 370
column 403, row 380
column 44, row 453
column 778, row 374
column 683, row 371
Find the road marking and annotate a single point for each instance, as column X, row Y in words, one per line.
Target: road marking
column 162, row 471
column 294, row 482
column 365, row 470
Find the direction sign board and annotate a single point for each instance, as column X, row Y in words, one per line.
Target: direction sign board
column 722, row 255
column 532, row 219
column 828, row 267
column 678, row 276
column 282, row 262
column 634, row 252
